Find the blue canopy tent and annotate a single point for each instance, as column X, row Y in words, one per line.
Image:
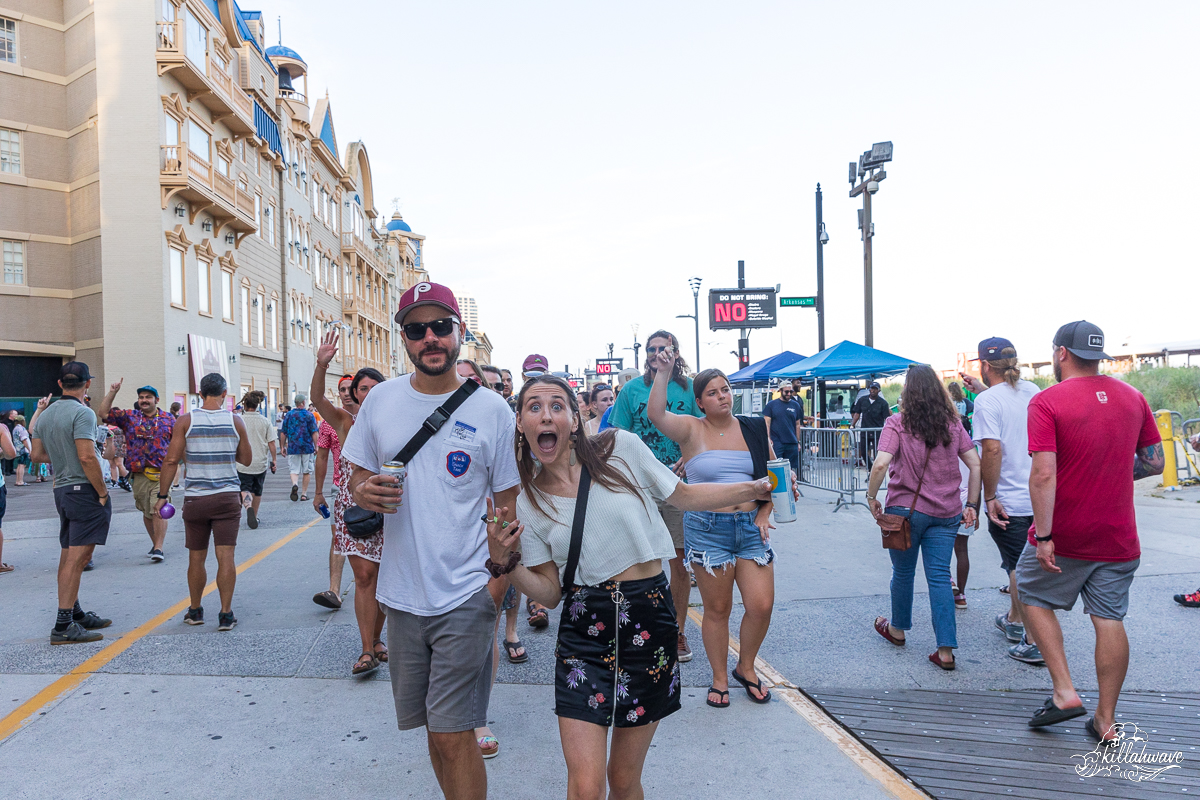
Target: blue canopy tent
column 845, row 360
column 760, row 371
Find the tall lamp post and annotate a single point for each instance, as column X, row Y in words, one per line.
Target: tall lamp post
column 869, row 172
column 822, row 240
column 695, row 315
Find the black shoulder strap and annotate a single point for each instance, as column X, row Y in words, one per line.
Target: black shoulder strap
column 434, row 422
column 581, row 499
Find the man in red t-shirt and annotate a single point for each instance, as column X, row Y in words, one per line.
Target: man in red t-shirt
column 1090, row 437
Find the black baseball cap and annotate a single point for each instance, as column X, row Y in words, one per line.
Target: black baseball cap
column 990, row 349
column 1083, row 339
column 873, row 385
column 74, row 372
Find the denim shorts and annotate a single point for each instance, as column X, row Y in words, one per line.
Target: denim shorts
column 718, row 539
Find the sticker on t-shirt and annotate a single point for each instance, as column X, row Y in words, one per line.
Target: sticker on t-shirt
column 1102, row 397
column 463, row 432
column 457, row 463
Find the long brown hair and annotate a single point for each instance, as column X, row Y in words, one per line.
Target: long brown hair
column 679, row 372
column 594, row 452
column 927, row 411
column 1006, row 367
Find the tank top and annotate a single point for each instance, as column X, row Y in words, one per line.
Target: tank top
column 210, row 453
column 720, row 466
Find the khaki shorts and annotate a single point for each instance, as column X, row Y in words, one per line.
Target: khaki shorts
column 145, row 495
column 674, row 519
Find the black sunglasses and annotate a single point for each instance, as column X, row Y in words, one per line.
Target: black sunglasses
column 498, row 386
column 415, row 331
column 652, row 350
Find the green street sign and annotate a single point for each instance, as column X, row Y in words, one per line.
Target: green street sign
column 798, row 302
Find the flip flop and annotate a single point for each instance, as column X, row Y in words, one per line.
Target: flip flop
column 362, row 667
column 712, row 690
column 766, row 698
column 511, row 647
column 327, row 599
column 1090, row 727
column 1050, row 714
column 881, row 627
column 6, row 568
column 538, row 618
column 489, row 746
column 936, row 659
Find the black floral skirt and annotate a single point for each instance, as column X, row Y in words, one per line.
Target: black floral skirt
column 616, row 658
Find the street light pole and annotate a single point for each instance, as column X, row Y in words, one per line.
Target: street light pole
column 869, row 172
column 695, row 284
column 822, row 238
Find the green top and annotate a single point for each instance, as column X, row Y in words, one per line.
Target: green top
column 58, row 427
column 630, row 414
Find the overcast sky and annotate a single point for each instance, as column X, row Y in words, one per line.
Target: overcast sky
column 572, row 164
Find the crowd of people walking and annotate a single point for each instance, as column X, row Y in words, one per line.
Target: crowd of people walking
column 455, row 493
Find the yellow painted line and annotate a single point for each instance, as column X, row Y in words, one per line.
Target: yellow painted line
column 69, row 682
column 892, row 781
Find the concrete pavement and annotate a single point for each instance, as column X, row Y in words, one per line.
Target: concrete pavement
column 269, row 709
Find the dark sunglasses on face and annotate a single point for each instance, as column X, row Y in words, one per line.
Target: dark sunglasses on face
column 652, row 350
column 498, row 386
column 415, row 331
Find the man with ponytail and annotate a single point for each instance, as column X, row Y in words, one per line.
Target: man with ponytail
column 630, row 414
column 1000, row 430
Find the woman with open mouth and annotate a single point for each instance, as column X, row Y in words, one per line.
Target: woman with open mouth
column 731, row 544
column 616, row 664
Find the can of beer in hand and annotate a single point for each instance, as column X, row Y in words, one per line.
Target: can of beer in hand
column 780, row 473
column 399, row 471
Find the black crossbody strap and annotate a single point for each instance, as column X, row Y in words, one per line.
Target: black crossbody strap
column 581, row 499
column 434, row 422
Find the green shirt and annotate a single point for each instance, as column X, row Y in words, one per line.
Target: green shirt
column 58, row 427
column 630, row 414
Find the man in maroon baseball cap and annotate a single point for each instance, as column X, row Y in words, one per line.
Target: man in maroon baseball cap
column 427, row 334
column 535, row 366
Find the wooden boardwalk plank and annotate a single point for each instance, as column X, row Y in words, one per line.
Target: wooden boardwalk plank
column 977, row 745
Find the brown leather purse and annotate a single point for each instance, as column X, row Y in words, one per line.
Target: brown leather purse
column 896, row 528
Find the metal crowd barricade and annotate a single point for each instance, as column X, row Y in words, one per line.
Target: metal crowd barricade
column 838, row 460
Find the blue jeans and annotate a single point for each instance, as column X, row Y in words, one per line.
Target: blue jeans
column 791, row 452
column 934, row 537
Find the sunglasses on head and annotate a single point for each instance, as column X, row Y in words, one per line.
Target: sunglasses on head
column 415, row 331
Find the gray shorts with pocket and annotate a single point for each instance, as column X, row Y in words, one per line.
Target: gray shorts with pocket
column 441, row 666
column 1104, row 585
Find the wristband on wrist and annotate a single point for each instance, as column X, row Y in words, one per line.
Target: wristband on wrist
column 989, row 499
column 974, row 505
column 1045, row 538
column 497, row 570
column 164, row 497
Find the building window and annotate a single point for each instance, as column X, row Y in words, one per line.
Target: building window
column 199, row 141
column 271, row 224
column 204, row 272
column 14, row 262
column 197, row 40
column 292, row 316
column 10, row 151
column 177, row 275
column 333, row 278
column 8, row 40
column 291, row 239
column 246, row 319
column 258, row 216
column 275, row 322
column 227, row 295
column 262, row 301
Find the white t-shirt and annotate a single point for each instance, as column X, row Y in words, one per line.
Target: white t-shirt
column 620, row 529
column 1002, row 413
column 435, row 546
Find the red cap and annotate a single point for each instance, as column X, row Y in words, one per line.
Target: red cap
column 535, row 363
column 427, row 294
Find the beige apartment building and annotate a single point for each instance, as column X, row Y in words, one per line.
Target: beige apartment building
column 173, row 202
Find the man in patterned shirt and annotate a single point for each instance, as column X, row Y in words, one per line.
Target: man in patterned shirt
column 298, row 429
column 147, row 430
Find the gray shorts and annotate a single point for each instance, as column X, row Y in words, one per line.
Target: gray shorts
column 441, row 666
column 674, row 519
column 1103, row 584
column 301, row 463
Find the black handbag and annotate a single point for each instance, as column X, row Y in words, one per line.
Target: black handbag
column 363, row 524
column 581, row 498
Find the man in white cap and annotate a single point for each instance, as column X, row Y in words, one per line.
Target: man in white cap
column 434, row 572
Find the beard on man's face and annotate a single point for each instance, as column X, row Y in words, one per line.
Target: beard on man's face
column 448, row 363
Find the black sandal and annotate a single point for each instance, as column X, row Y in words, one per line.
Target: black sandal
column 512, row 647
column 766, row 694
column 382, row 655
column 713, row 690
column 538, row 618
column 1050, row 714
column 362, row 667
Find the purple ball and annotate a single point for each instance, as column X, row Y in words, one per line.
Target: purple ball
column 167, row 511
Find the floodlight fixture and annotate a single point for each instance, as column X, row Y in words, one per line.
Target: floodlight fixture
column 880, row 153
column 853, row 172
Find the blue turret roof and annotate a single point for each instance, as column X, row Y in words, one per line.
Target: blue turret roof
column 397, row 223
column 280, row 51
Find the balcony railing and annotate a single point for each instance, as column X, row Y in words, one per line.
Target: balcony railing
column 204, row 77
column 171, row 162
column 168, row 36
column 202, row 183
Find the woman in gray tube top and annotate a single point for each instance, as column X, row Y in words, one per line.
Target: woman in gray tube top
column 733, row 545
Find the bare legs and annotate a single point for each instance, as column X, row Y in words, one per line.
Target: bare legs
column 197, row 576
column 1112, row 660
column 336, row 564
column 757, row 585
column 964, row 561
column 681, row 588
column 156, row 528
column 1048, row 634
column 590, row 766
column 71, row 562
column 458, row 765
column 366, row 607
